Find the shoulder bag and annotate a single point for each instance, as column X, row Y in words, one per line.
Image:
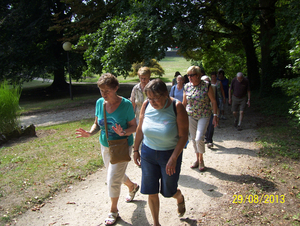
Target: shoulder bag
column 118, row 149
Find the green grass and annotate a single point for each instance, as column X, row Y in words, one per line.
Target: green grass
column 66, row 102
column 40, row 166
column 278, row 136
column 173, row 64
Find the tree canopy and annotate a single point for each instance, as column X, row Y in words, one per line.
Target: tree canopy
column 252, row 36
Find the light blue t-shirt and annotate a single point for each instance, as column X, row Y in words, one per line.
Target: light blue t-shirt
column 122, row 115
column 160, row 128
column 176, row 93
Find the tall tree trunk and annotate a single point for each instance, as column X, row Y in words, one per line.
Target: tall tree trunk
column 59, row 82
column 252, row 62
column 267, row 24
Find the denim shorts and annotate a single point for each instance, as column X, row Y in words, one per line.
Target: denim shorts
column 154, row 177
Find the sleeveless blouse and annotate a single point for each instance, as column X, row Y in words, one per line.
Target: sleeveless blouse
column 198, row 103
column 160, row 128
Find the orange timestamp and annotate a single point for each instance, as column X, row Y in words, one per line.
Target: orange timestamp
column 258, row 199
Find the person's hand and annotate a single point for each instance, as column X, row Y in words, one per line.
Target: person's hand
column 215, row 121
column 118, row 130
column 137, row 158
column 248, row 103
column 171, row 167
column 224, row 100
column 82, row 133
column 229, row 101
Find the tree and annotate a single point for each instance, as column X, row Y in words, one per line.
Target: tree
column 28, row 48
column 151, row 26
column 117, row 33
column 120, row 42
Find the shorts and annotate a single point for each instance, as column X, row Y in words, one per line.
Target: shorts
column 154, row 177
column 238, row 104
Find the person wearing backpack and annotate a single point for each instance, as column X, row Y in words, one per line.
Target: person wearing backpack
column 177, row 90
column 163, row 131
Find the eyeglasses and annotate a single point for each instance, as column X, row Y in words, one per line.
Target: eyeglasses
column 154, row 99
column 192, row 75
column 105, row 91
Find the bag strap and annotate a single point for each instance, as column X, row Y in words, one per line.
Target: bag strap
column 105, row 122
column 172, row 91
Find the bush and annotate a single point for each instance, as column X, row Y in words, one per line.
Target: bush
column 9, row 106
column 155, row 68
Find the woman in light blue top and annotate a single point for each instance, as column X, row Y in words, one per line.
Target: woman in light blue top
column 163, row 128
column 177, row 90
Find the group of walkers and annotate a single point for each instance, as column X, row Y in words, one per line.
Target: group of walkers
column 163, row 123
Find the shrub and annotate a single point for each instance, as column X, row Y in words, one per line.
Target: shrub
column 9, row 106
column 155, row 68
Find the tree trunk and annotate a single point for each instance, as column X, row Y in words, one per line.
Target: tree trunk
column 59, row 82
column 252, row 62
column 267, row 24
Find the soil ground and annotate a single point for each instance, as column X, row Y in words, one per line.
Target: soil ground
column 269, row 187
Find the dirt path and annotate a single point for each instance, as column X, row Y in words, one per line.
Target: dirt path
column 87, row 202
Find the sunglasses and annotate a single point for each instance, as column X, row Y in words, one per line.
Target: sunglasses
column 192, row 75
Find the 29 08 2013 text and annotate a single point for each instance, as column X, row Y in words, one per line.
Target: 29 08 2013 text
column 263, row 198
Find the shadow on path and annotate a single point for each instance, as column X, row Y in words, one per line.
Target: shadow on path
column 234, row 151
column 261, row 183
column 192, row 182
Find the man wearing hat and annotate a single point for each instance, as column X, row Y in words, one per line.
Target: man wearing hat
column 239, row 96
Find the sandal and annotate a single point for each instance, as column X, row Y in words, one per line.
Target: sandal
column 202, row 167
column 112, row 218
column 195, row 165
column 181, row 208
column 132, row 193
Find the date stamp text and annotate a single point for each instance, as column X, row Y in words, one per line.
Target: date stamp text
column 263, row 198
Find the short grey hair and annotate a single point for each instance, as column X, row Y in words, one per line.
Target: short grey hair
column 239, row 74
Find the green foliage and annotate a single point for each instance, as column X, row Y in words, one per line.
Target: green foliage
column 295, row 58
column 291, row 87
column 154, row 66
column 119, row 43
column 221, row 55
column 9, row 106
column 276, row 135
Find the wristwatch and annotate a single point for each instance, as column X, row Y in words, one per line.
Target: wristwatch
column 124, row 131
